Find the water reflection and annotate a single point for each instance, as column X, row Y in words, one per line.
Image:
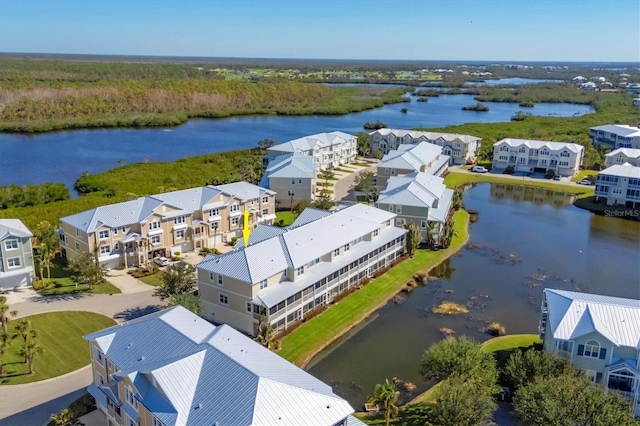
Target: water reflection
column 531, row 194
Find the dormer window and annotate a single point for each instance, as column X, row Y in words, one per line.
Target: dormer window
column 214, row 212
column 130, row 397
column 234, row 207
column 104, row 234
column 178, row 220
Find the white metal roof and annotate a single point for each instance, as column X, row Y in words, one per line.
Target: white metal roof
column 619, row 129
column 412, row 157
column 552, row 146
column 311, row 142
column 622, row 170
column 432, row 136
column 198, row 373
column 573, row 314
column 628, row 152
column 290, row 166
column 13, row 228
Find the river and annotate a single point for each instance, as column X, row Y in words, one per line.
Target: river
column 64, row 156
column 524, row 240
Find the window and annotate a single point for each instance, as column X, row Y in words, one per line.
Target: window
column 235, row 221
column 265, row 211
column 346, row 247
column 223, row 299
column 99, row 357
column 263, row 284
column 522, row 149
column 336, row 252
column 564, row 154
column 314, row 262
column 78, row 233
column 105, row 249
column 592, row 349
column 398, row 209
column 423, row 224
column 115, row 231
column 265, row 199
column 299, row 180
column 157, row 422
column 11, row 244
column 130, row 397
column 393, row 172
column 293, row 181
column 249, row 307
column 154, row 225
column 234, row 208
column 388, row 223
column 300, row 271
column 220, row 280
column 123, row 229
column 211, row 276
column 104, row 234
column 155, row 239
column 179, row 234
column 564, row 346
column 390, row 207
column 214, row 225
column 375, row 232
column 214, row 212
column 178, row 220
column 77, row 245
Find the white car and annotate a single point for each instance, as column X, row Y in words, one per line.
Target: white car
column 585, row 182
column 479, row 169
column 161, row 261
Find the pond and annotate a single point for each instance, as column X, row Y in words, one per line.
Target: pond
column 525, row 239
column 517, row 81
column 64, row 156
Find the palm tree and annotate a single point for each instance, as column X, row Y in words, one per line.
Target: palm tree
column 29, row 351
column 5, row 339
column 386, row 395
column 4, row 319
column 24, row 330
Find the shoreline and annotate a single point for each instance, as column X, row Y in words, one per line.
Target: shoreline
column 303, row 359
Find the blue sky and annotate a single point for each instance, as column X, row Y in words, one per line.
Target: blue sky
column 515, row 30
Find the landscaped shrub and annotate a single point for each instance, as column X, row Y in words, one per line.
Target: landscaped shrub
column 143, row 272
column 234, row 240
column 208, row 250
column 314, row 312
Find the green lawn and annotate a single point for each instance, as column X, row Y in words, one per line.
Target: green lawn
column 287, row 216
column 584, row 174
column 64, row 285
column 60, row 335
column 153, row 280
column 314, row 335
column 454, row 180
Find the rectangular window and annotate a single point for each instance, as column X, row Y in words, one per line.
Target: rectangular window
column 263, row 284
column 398, row 209
column 115, row 231
column 104, row 234
column 390, row 207
column 220, row 280
column 157, row 422
column 265, row 211
column 265, row 199
column 375, row 232
column 180, row 234
column 155, row 239
column 293, row 181
column 77, row 246
column 223, row 299
column 300, row 271
column 346, row 247
column 214, row 225
column 154, row 225
column 123, row 229
column 130, row 397
column 564, row 346
column 235, row 221
column 234, row 208
column 211, row 276
column 11, row 244
column 178, row 220
column 214, row 212
column 105, row 249
column 388, row 223
column 423, row 224
column 336, row 252
column 249, row 307
column 99, row 357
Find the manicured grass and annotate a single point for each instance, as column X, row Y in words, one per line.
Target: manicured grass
column 314, row 335
column 64, row 285
column 153, row 280
column 60, row 335
column 287, row 216
column 454, row 180
column 510, row 342
column 425, row 396
column 584, row 174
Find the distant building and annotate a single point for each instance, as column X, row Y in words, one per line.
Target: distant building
column 134, row 232
column 328, row 150
column 284, row 273
column 421, row 199
column 293, row 177
column 619, row 185
column 460, row 148
column 589, row 86
column 615, row 136
column 172, row 368
column 623, row 155
column 16, row 255
column 421, row 157
column 564, row 159
column 601, row 336
column 578, row 80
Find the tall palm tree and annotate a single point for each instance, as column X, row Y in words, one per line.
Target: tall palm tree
column 24, row 330
column 386, row 395
column 29, row 351
column 5, row 339
column 4, row 309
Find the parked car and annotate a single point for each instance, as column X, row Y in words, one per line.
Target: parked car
column 479, row 169
column 556, row 178
column 161, row 261
column 585, row 182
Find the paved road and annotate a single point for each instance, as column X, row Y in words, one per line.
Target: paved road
column 32, row 404
column 343, row 191
column 525, row 179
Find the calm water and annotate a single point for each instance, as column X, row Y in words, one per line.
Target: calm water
column 524, row 240
column 63, row 156
column 513, row 80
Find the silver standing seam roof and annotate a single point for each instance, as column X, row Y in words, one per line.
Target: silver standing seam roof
column 554, row 146
column 13, row 228
column 290, row 166
column 573, row 314
column 311, row 142
column 412, row 157
column 628, row 152
column 619, row 129
column 449, row 137
column 622, row 170
column 200, row 374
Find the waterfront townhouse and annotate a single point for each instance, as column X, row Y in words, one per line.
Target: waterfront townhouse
column 16, row 254
column 615, row 136
column 619, row 185
column 134, row 232
column 460, row 148
column 173, row 368
column 601, row 336
column 421, row 157
column 421, row 199
column 284, row 273
column 622, row 156
column 328, row 150
column 564, row 159
column 293, row 178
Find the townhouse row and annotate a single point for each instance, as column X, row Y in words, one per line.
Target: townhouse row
column 16, row 255
column 532, row 156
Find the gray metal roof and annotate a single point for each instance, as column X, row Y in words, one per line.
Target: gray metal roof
column 624, row 170
column 619, row 129
column 628, row 152
column 414, row 189
column 311, row 142
column 290, row 166
column 201, row 374
column 573, row 314
column 261, row 233
column 244, row 190
column 553, row 146
column 308, row 215
column 449, row 137
column 297, row 246
column 413, row 157
column 13, row 228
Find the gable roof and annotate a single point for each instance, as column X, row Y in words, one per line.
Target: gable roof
column 202, row 374
column 622, row 170
column 627, row 152
column 412, row 157
column 573, row 314
column 432, row 136
column 298, row 166
column 533, row 144
column 13, row 228
column 311, row 142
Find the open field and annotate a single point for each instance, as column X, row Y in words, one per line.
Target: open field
column 60, row 335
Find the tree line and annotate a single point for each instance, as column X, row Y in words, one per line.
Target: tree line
column 32, row 195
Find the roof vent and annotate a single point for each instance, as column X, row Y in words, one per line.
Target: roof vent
column 141, row 358
column 197, row 407
column 129, row 345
